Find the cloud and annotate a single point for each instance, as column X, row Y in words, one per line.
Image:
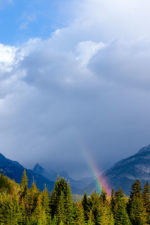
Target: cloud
column 124, row 63
column 7, row 58
column 89, row 82
column 28, row 19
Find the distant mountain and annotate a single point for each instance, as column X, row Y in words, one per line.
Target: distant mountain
column 77, row 186
column 14, row 170
column 50, row 174
column 126, row 171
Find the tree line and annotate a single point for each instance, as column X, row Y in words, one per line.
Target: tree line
column 20, row 205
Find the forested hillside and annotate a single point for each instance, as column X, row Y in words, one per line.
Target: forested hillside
column 28, row 206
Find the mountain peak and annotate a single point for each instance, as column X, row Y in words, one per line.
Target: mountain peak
column 38, row 168
column 2, row 156
column 126, row 171
column 145, row 149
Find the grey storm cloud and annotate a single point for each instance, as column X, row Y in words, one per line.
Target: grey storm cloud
column 126, row 63
column 78, row 88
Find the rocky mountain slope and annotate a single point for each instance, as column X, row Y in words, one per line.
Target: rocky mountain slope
column 14, row 170
column 126, row 171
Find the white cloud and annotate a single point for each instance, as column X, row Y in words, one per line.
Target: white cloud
column 7, row 58
column 86, row 50
column 89, row 80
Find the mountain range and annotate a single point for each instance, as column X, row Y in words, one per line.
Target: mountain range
column 14, row 170
column 42, row 177
column 122, row 174
column 77, row 186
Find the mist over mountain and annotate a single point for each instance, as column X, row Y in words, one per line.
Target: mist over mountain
column 77, row 186
column 50, row 174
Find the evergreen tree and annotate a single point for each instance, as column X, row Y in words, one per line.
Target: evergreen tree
column 136, row 209
column 24, row 184
column 80, row 214
column 146, row 196
column 86, row 207
column 119, row 210
column 146, row 200
column 106, row 216
column 22, row 206
column 61, row 198
column 61, row 209
column 95, row 208
column 46, row 204
column 112, row 204
column 40, row 212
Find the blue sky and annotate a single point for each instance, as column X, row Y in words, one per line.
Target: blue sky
column 21, row 20
column 74, row 73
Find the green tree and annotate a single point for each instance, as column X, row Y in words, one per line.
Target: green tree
column 112, row 203
column 24, row 184
column 39, row 216
column 136, row 208
column 106, row 215
column 146, row 200
column 61, row 198
column 95, row 208
column 46, row 204
column 86, row 207
column 119, row 210
column 80, row 214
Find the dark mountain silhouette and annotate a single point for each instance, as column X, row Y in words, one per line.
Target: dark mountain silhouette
column 14, row 170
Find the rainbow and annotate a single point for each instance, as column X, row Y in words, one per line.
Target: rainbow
column 100, row 180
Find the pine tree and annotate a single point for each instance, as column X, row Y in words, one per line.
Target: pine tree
column 146, row 196
column 30, row 199
column 95, row 208
column 86, row 207
column 61, row 186
column 119, row 210
column 106, row 216
column 112, row 204
column 136, row 209
column 61, row 209
column 90, row 222
column 24, row 184
column 68, row 205
column 46, row 203
column 146, row 200
column 80, row 214
column 40, row 214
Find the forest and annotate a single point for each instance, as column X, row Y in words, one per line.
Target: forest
column 28, row 206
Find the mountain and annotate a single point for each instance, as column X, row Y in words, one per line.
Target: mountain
column 77, row 186
column 126, row 171
column 14, row 171
column 50, row 174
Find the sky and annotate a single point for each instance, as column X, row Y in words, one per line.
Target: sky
column 74, row 78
